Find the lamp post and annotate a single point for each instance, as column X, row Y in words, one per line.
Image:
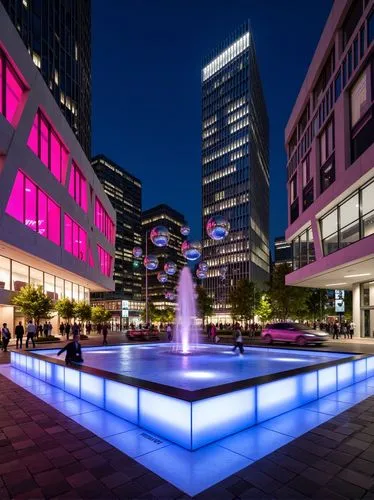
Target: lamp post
column 146, row 279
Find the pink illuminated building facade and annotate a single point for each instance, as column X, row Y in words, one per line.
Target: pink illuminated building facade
column 330, row 170
column 57, row 226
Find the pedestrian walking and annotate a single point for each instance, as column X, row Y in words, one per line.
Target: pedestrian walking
column 31, row 330
column 75, row 329
column 5, row 335
column 238, row 339
column 62, row 328
column 49, row 328
column 88, row 328
column 39, row 330
column 169, row 333
column 45, row 329
column 20, row 332
column 67, row 330
column 213, row 332
column 105, row 334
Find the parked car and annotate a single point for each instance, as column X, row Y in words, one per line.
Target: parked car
column 143, row 334
column 292, row 333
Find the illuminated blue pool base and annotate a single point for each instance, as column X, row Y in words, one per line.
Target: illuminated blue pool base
column 193, row 419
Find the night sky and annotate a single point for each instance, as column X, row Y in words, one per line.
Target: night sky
column 147, row 58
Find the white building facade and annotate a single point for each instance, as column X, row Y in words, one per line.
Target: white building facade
column 57, row 226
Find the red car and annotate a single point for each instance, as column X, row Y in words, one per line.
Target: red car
column 144, row 334
column 293, row 333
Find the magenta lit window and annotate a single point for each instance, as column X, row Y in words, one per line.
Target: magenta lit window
column 33, row 208
column 46, row 144
column 15, row 206
column 103, row 222
column 90, row 257
column 11, row 89
column 105, row 261
column 75, row 239
column 78, row 186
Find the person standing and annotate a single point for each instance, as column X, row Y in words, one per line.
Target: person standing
column 5, row 335
column 88, row 328
column 39, row 330
column 105, row 334
column 213, row 332
column 238, row 339
column 62, row 329
column 20, row 332
column 169, row 333
column 45, row 329
column 31, row 330
column 75, row 329
column 49, row 329
column 67, row 330
column 352, row 327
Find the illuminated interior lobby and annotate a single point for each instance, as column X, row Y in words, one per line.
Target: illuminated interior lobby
column 57, row 226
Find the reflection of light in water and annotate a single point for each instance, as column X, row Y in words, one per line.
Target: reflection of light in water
column 287, row 359
column 199, row 374
column 98, row 352
column 144, row 347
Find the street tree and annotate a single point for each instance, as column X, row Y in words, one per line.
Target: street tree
column 100, row 315
column 82, row 311
column 65, row 308
column 204, row 303
column 243, row 299
column 287, row 301
column 34, row 303
column 263, row 309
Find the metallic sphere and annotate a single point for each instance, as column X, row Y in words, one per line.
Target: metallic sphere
column 151, row 262
column 169, row 295
column 201, row 274
column 217, row 227
column 203, row 266
column 185, row 230
column 162, row 277
column 170, row 268
column 160, row 236
column 191, row 250
column 137, row 252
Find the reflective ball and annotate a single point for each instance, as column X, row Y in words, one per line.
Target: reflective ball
column 151, row 262
column 170, row 268
column 191, row 250
column 170, row 296
column 137, row 252
column 162, row 277
column 222, row 272
column 217, row 227
column 185, row 230
column 160, row 236
column 203, row 266
column 201, row 274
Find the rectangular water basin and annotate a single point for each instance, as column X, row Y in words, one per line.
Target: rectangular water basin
column 198, row 399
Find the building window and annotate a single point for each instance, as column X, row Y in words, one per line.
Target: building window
column 338, row 85
column 11, row 89
column 350, row 221
column 351, row 20
column 75, row 239
column 32, row 207
column 78, row 186
column 4, row 273
column 371, row 27
column 362, row 116
column 293, row 189
column 20, row 276
column 105, row 261
column 45, row 143
column 326, row 142
column 306, row 170
column 303, row 249
column 103, row 222
column 360, row 98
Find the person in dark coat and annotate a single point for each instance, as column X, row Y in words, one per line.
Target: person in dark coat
column 105, row 334
column 73, row 351
column 20, row 332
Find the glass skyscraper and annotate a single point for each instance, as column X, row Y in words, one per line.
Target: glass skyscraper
column 57, row 34
column 235, row 167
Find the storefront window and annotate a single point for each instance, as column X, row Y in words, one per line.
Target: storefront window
column 4, row 273
column 68, row 290
column 36, row 277
column 20, row 276
column 367, row 294
column 49, row 286
column 80, row 293
column 86, row 295
column 75, row 292
column 59, row 288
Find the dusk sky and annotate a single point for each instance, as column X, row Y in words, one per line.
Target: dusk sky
column 147, row 58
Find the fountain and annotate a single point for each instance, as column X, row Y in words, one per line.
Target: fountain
column 186, row 333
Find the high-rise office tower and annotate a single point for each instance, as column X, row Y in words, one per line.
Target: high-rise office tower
column 235, row 167
column 57, row 35
column 163, row 215
column 125, row 194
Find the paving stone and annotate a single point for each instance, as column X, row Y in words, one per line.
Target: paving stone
column 345, row 488
column 339, row 458
column 287, row 462
column 259, row 480
column 316, row 476
column 357, row 443
column 80, row 479
column 165, row 490
column 95, row 489
column 276, row 471
column 363, row 466
column 287, row 493
column 33, row 494
column 304, row 485
column 356, row 478
column 325, row 493
column 115, row 479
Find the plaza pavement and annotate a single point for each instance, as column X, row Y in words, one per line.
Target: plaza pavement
column 45, row 454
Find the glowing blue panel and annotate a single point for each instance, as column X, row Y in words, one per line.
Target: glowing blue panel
column 72, row 381
column 137, row 442
column 92, row 389
column 58, row 373
column 29, row 366
column 169, row 417
column 48, row 372
column 284, row 395
column 102, row 423
column 345, row 374
column 122, row 400
column 42, row 369
column 296, row 422
column 22, row 362
column 360, row 370
column 370, row 366
column 232, row 412
column 14, row 359
column 35, row 367
column 327, row 380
